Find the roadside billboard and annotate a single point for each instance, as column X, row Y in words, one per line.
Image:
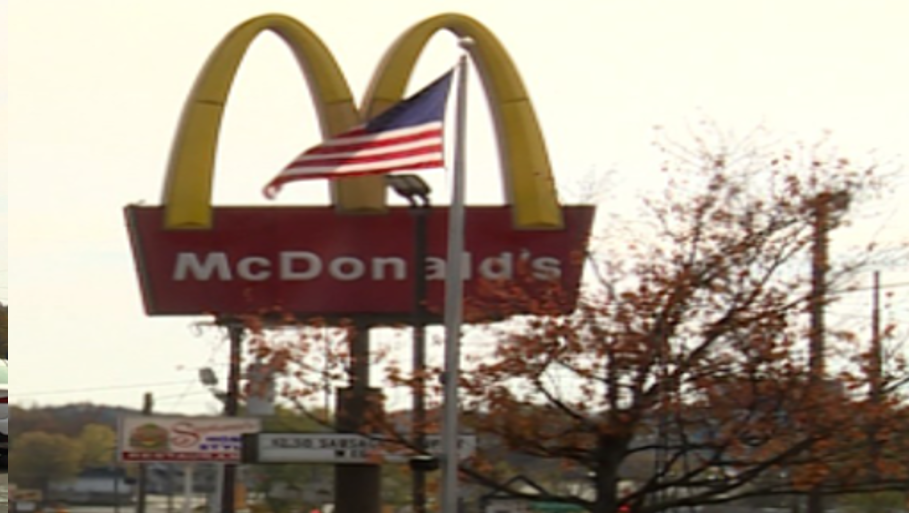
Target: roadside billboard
column 355, row 258
column 142, row 438
column 339, row 265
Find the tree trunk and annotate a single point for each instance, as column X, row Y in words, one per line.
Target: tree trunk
column 609, row 455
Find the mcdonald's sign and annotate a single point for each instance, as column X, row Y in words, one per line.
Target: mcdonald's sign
column 354, row 258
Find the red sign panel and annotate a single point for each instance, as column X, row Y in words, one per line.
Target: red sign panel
column 229, row 457
column 314, row 261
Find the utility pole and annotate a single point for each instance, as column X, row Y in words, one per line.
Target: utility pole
column 418, row 483
column 819, row 266
column 147, row 405
column 877, row 350
column 817, row 347
column 824, row 205
column 876, row 373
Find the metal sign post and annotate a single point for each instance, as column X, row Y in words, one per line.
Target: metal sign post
column 188, row 487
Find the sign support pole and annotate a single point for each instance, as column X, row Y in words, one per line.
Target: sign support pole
column 141, row 494
column 454, row 292
column 188, row 471
column 357, row 486
column 231, row 409
column 117, row 476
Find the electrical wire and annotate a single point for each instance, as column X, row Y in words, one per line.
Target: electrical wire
column 884, row 286
column 108, row 388
column 178, row 400
column 184, row 395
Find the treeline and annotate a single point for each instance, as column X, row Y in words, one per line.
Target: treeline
column 68, row 420
column 57, row 443
column 4, row 330
column 50, row 444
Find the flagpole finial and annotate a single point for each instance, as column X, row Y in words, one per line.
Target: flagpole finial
column 466, row 43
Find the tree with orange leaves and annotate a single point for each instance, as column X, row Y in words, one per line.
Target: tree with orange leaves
column 684, row 368
column 690, row 348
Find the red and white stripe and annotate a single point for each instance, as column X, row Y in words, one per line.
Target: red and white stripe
column 358, row 153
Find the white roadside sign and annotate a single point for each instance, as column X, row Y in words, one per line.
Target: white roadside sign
column 184, row 439
column 343, row 448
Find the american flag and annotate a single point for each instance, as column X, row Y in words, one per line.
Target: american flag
column 406, row 136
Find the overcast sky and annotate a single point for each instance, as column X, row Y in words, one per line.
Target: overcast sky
column 91, row 91
column 4, row 151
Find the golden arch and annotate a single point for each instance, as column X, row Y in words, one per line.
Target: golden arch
column 526, row 170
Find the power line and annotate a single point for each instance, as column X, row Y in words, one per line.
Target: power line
column 101, row 389
column 896, row 285
column 184, row 395
column 178, row 399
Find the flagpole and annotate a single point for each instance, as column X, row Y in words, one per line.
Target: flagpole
column 454, row 286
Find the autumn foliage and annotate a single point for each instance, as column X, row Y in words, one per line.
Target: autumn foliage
column 685, row 366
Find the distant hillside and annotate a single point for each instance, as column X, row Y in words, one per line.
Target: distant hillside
column 67, row 420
